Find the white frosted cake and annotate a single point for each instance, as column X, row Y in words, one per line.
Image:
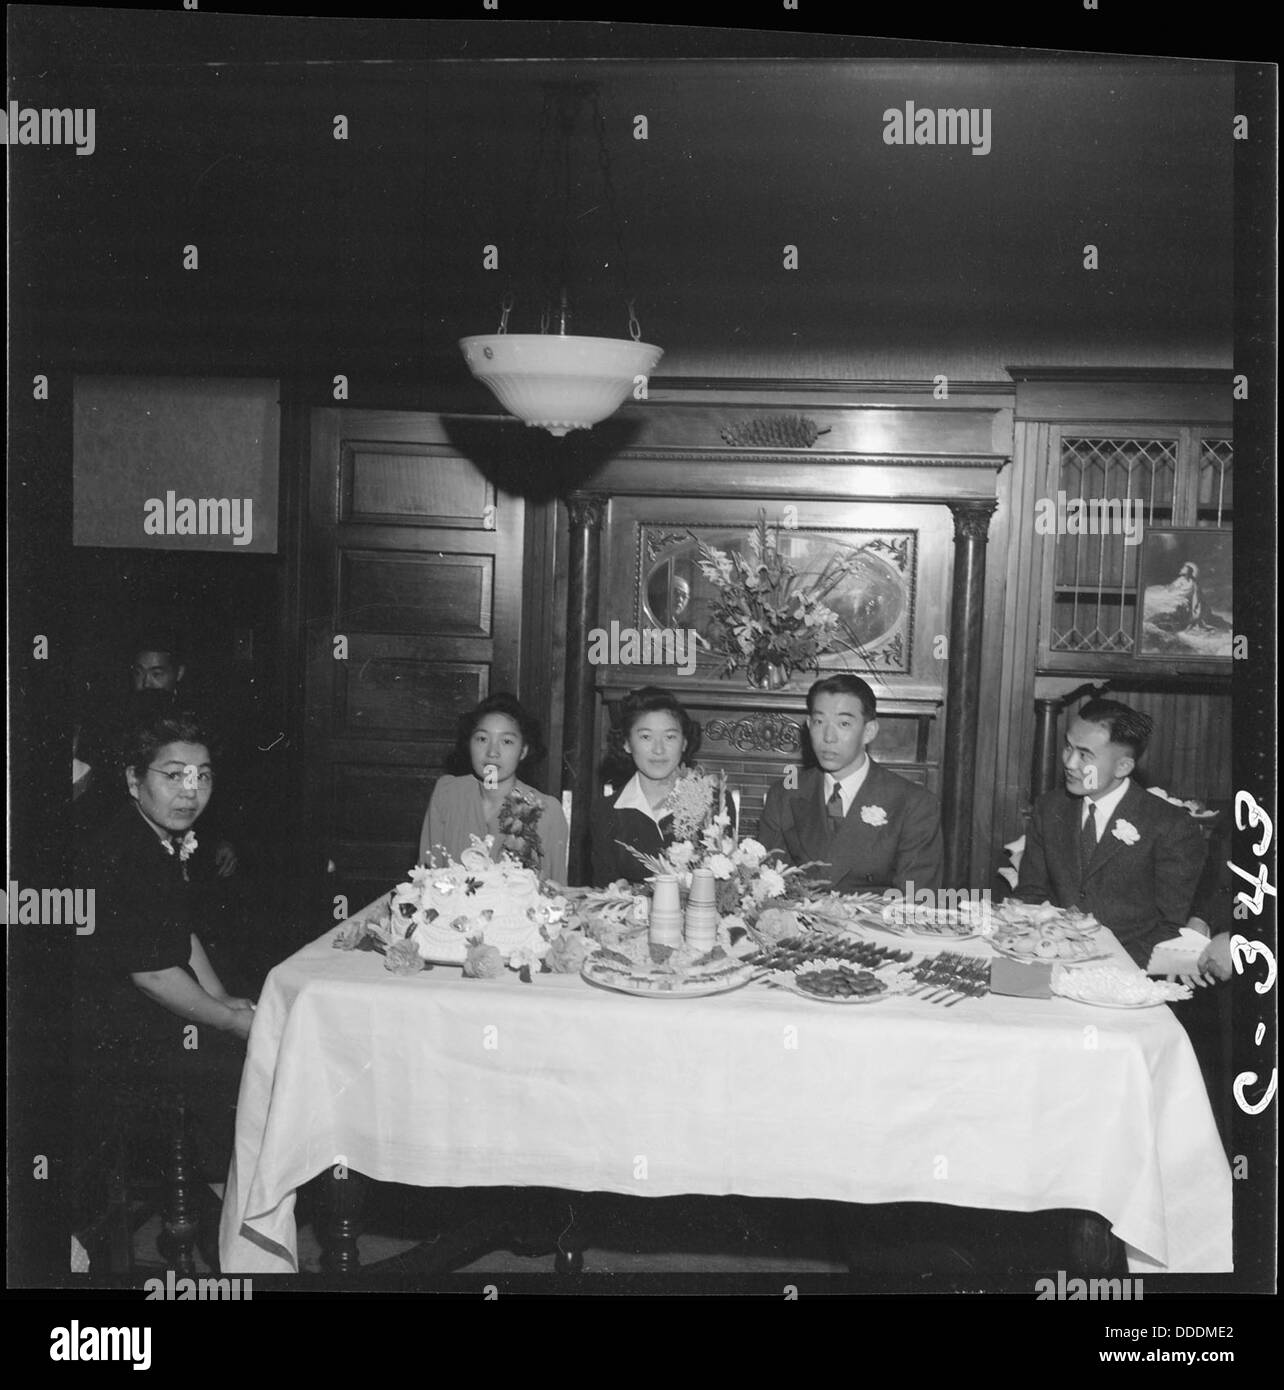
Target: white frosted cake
column 453, row 905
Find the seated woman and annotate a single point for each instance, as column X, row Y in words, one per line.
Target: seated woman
column 654, row 741
column 495, row 739
column 153, row 1017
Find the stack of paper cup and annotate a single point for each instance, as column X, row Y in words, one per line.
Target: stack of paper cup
column 702, row 912
column 666, row 912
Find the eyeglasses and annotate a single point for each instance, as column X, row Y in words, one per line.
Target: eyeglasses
column 204, row 780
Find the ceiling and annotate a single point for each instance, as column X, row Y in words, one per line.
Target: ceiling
column 367, row 254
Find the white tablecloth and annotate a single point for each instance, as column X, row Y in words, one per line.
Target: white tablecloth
column 438, row 1081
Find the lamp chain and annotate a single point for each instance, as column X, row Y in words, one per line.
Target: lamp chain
column 550, row 180
column 613, row 212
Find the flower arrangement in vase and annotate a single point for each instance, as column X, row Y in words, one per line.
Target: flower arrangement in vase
column 744, row 882
column 764, row 619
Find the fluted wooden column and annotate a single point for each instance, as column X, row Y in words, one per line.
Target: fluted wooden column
column 963, row 686
column 579, row 756
column 1047, row 712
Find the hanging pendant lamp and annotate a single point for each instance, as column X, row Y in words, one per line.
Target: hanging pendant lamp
column 562, row 381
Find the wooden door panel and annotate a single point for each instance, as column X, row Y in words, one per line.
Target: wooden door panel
column 415, row 560
column 381, row 482
column 416, row 594
column 401, row 698
column 371, row 801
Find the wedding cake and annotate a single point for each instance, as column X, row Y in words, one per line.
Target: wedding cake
column 449, row 905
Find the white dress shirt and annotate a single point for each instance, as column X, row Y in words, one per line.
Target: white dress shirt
column 1106, row 807
column 849, row 786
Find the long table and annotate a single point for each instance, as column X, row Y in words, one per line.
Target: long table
column 439, row 1081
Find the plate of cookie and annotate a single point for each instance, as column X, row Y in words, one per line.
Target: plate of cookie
column 839, row 982
column 1046, row 933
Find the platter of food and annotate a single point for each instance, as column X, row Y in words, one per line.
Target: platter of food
column 796, row 952
column 1034, row 950
column 933, row 923
column 681, row 975
column 1115, row 987
column 835, row 982
column 1029, row 932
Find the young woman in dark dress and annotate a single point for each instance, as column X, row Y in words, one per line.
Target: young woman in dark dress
column 654, row 740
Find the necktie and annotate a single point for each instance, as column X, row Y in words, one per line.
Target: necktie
column 834, row 809
column 1088, row 838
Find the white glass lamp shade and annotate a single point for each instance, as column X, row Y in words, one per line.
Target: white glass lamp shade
column 559, row 383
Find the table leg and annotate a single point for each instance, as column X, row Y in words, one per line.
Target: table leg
column 342, row 1196
column 1093, row 1248
column 177, row 1240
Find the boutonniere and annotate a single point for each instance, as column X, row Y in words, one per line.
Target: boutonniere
column 186, row 847
column 1127, row 832
column 873, row 815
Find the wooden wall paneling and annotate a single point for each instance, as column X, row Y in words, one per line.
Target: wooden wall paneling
column 318, row 586
column 387, row 483
column 440, row 594
column 672, row 421
column 417, row 559
column 1128, row 398
column 291, row 607
column 1190, row 749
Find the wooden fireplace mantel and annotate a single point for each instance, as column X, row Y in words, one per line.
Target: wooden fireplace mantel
column 739, row 695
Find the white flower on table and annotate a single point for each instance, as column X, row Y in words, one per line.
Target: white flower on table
column 680, row 852
column 873, row 815
column 752, row 853
column 720, row 866
column 770, row 883
column 1126, row 831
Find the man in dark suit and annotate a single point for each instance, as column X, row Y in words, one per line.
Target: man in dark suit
column 874, row 829
column 1103, row 845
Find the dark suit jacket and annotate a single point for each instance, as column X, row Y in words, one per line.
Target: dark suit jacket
column 1142, row 892
column 863, row 857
